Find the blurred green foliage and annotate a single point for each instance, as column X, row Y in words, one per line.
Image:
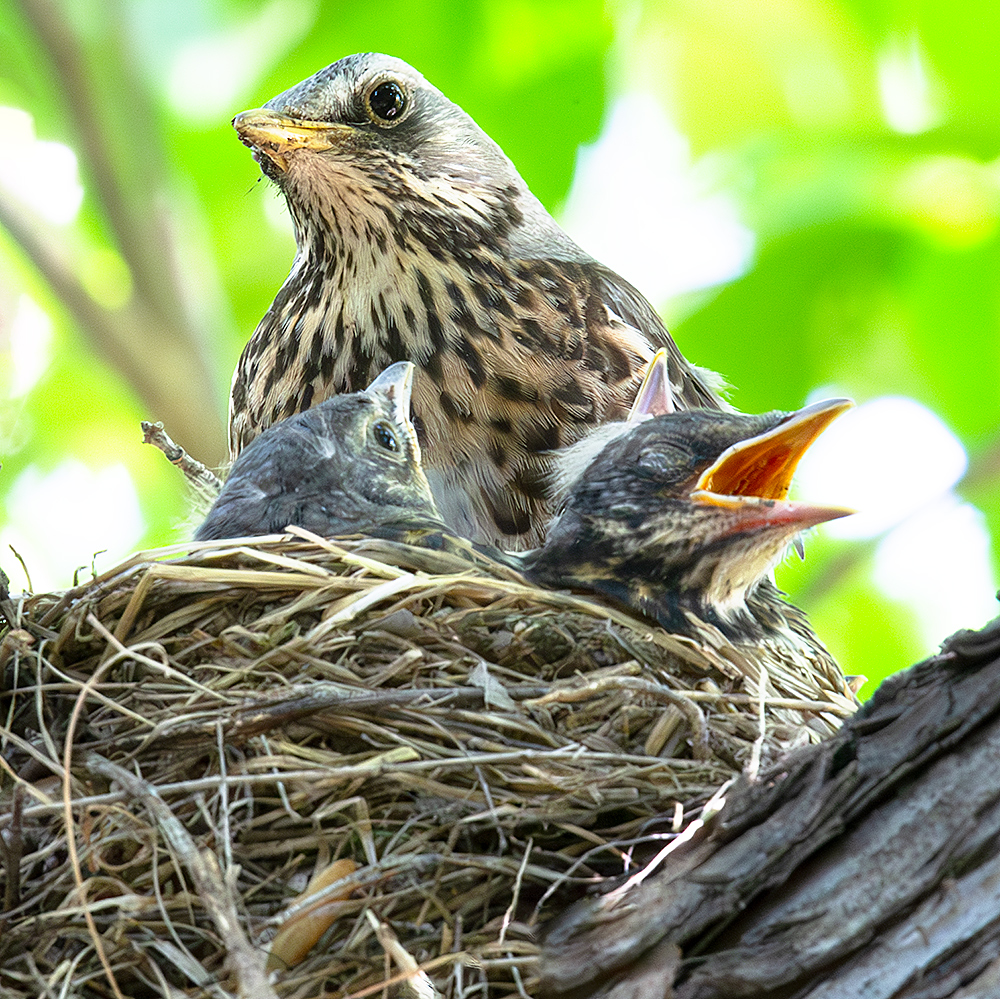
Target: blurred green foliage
column 877, row 258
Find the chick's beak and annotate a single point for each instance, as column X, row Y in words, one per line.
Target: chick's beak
column 276, row 135
column 753, row 476
column 396, row 384
column 654, row 397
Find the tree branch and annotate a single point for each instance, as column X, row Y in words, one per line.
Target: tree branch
column 133, row 340
column 129, row 211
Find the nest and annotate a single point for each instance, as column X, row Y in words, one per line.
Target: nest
column 189, row 738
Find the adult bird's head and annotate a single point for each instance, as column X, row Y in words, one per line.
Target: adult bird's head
column 349, row 465
column 369, row 138
column 688, row 512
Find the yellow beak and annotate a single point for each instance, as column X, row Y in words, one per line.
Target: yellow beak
column 277, row 135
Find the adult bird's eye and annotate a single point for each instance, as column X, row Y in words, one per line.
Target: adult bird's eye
column 387, row 101
column 385, row 436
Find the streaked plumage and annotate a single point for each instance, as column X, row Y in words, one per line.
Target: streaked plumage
column 418, row 240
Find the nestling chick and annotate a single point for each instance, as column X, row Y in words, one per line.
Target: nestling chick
column 349, row 465
column 683, row 516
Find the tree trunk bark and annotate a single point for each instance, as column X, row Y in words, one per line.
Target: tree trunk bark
column 867, row 866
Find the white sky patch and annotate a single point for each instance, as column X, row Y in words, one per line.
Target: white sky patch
column 886, row 459
column 30, row 346
column 84, row 512
column 639, row 205
column 938, row 562
column 896, row 462
column 911, row 97
column 211, row 75
column 40, row 173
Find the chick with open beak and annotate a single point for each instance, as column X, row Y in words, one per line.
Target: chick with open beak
column 683, row 515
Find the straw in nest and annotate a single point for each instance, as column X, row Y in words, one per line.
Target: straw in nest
column 191, row 736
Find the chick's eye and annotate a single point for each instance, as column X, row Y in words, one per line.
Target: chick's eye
column 387, row 101
column 385, row 436
column 664, row 462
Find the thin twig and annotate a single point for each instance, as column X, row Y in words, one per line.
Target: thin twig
column 515, row 894
column 71, row 833
column 200, row 477
column 753, row 764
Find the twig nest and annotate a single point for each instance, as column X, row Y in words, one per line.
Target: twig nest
column 448, row 728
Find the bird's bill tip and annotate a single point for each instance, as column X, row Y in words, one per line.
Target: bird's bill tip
column 830, row 408
column 276, row 135
column 654, row 397
column 752, row 512
column 855, row 681
column 396, row 382
column 763, row 466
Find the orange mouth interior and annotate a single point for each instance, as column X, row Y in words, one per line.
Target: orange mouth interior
column 763, row 466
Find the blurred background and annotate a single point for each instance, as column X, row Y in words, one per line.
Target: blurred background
column 809, row 191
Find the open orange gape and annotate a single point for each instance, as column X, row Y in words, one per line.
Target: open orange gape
column 754, row 475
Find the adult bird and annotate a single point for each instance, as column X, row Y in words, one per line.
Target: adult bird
column 418, row 240
column 349, row 465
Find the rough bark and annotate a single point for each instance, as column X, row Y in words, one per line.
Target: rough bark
column 867, row 866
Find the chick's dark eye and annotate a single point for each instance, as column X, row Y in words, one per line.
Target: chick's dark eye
column 385, row 436
column 664, row 462
column 387, row 101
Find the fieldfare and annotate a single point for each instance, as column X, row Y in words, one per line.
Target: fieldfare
column 418, row 240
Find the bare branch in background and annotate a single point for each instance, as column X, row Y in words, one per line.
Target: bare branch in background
column 153, row 358
column 128, row 207
column 155, row 341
